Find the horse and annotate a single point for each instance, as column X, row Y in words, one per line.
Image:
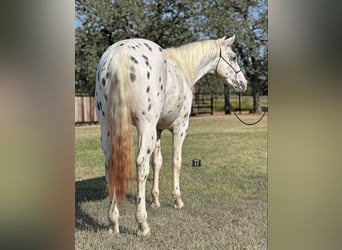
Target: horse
column 138, row 83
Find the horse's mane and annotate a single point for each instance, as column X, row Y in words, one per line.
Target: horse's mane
column 189, row 56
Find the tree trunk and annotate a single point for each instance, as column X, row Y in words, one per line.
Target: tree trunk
column 256, row 98
column 227, row 107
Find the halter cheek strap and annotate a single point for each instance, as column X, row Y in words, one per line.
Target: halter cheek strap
column 221, row 57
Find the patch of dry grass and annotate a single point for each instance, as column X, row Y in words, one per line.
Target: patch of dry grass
column 225, row 199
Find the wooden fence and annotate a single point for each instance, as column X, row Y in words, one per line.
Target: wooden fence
column 202, row 104
column 85, row 109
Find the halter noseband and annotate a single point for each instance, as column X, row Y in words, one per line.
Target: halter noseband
column 221, row 57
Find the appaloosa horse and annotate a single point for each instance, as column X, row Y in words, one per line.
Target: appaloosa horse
column 139, row 83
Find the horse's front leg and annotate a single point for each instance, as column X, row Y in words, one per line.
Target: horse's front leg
column 177, row 143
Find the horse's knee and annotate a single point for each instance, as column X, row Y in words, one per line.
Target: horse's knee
column 140, row 160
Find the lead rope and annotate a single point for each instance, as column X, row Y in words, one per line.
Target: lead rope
column 246, row 123
column 236, row 72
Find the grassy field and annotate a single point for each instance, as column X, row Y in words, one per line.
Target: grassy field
column 225, row 199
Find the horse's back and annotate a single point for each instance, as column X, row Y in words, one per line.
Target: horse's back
column 145, row 68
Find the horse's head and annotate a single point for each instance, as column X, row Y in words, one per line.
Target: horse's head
column 228, row 68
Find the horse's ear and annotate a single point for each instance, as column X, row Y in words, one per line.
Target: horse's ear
column 229, row 41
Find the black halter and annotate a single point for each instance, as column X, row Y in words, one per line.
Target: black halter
column 236, row 72
column 221, row 57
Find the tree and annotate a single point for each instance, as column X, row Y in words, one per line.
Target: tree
column 248, row 20
column 102, row 24
column 106, row 22
column 172, row 23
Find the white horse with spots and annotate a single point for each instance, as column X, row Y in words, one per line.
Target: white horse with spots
column 139, row 83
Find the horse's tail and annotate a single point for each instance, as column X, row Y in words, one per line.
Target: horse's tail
column 120, row 163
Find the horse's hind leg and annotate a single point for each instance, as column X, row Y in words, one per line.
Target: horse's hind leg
column 113, row 215
column 113, row 211
column 147, row 141
column 157, row 163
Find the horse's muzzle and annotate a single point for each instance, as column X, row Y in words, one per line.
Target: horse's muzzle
column 239, row 86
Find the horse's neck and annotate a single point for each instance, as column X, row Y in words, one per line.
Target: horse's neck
column 208, row 66
column 195, row 69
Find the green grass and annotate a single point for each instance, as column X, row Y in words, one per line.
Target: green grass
column 225, row 199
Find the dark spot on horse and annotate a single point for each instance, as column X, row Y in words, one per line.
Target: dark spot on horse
column 182, row 134
column 103, row 81
column 103, row 113
column 139, row 200
column 121, row 44
column 148, row 89
column 184, row 97
column 149, row 107
column 165, row 61
column 98, row 75
column 105, row 96
column 99, row 106
column 108, row 75
column 96, row 93
column 132, row 77
column 185, row 115
column 148, row 75
column 108, row 134
column 145, row 177
column 176, row 188
column 148, row 46
column 178, row 105
column 149, row 99
column 159, row 78
column 161, row 87
column 160, row 49
column 134, row 60
column 158, row 94
column 148, row 151
column 145, row 57
column 133, row 47
column 143, row 112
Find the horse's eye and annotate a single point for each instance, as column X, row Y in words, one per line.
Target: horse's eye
column 234, row 58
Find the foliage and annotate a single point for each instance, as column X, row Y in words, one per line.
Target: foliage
column 172, row 23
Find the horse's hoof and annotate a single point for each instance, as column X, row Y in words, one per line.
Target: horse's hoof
column 111, row 231
column 178, row 205
column 155, row 205
column 145, row 234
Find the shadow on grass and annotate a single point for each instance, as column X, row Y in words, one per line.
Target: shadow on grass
column 93, row 190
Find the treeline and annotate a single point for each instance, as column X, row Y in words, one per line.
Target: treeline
column 99, row 24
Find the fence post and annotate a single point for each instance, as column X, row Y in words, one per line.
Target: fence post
column 240, row 103
column 212, row 104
